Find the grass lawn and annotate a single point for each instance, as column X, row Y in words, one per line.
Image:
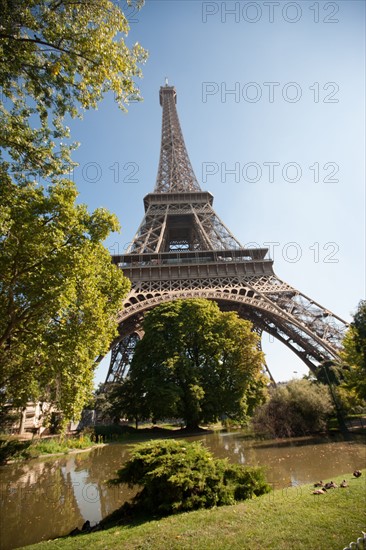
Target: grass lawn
column 288, row 519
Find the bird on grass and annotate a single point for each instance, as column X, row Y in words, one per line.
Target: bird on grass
column 330, row 485
column 319, row 484
column 344, row 484
column 319, row 491
column 357, row 473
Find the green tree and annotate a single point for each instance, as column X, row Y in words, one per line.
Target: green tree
column 59, row 294
column 196, row 363
column 298, row 408
column 178, row 476
column 57, row 58
column 329, row 372
column 104, row 404
column 354, row 354
column 116, row 400
column 127, row 400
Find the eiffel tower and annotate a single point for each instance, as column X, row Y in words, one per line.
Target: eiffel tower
column 183, row 250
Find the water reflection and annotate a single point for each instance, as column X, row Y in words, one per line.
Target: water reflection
column 291, row 461
column 43, row 499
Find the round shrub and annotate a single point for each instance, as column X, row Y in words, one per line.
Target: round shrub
column 177, row 476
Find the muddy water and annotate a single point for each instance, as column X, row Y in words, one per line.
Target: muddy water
column 46, row 498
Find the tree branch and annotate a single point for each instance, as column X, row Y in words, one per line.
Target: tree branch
column 37, row 40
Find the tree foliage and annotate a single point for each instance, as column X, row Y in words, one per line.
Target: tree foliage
column 59, row 294
column 298, row 408
column 103, row 404
column 196, row 363
column 113, row 399
column 178, row 476
column 330, row 372
column 354, row 354
column 57, row 58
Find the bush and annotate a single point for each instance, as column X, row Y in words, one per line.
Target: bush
column 299, row 408
column 112, row 432
column 10, row 448
column 177, row 476
column 350, row 402
column 21, row 450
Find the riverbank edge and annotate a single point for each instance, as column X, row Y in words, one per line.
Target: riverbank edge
column 150, row 434
column 291, row 515
column 128, row 439
column 50, row 455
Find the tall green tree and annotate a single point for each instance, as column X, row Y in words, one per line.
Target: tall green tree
column 196, row 363
column 59, row 294
column 354, row 354
column 57, row 58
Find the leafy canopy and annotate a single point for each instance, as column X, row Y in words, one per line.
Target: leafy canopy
column 59, row 294
column 354, row 354
column 178, row 476
column 58, row 57
column 196, row 363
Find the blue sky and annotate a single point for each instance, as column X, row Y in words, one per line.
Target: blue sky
column 291, row 131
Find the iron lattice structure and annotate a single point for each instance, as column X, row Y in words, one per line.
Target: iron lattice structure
column 183, row 250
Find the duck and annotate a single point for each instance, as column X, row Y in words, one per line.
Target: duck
column 319, row 491
column 330, row 485
column 319, row 484
column 86, row 526
column 344, row 484
column 357, row 473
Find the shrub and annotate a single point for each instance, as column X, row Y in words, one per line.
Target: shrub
column 112, row 431
column 177, row 476
column 10, row 448
column 245, row 482
column 350, row 402
column 299, row 408
column 20, row 450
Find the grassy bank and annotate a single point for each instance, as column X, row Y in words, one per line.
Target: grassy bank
column 15, row 450
column 291, row 518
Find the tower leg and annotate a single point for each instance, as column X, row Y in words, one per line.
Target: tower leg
column 121, row 358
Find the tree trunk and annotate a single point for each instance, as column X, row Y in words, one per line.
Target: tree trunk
column 22, row 420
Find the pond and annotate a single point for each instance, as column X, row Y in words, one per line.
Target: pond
column 46, row 498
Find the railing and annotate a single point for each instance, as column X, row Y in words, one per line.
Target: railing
column 360, row 544
column 190, row 258
column 354, row 423
column 175, row 261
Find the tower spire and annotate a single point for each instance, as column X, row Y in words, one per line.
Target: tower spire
column 178, row 214
column 175, row 172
